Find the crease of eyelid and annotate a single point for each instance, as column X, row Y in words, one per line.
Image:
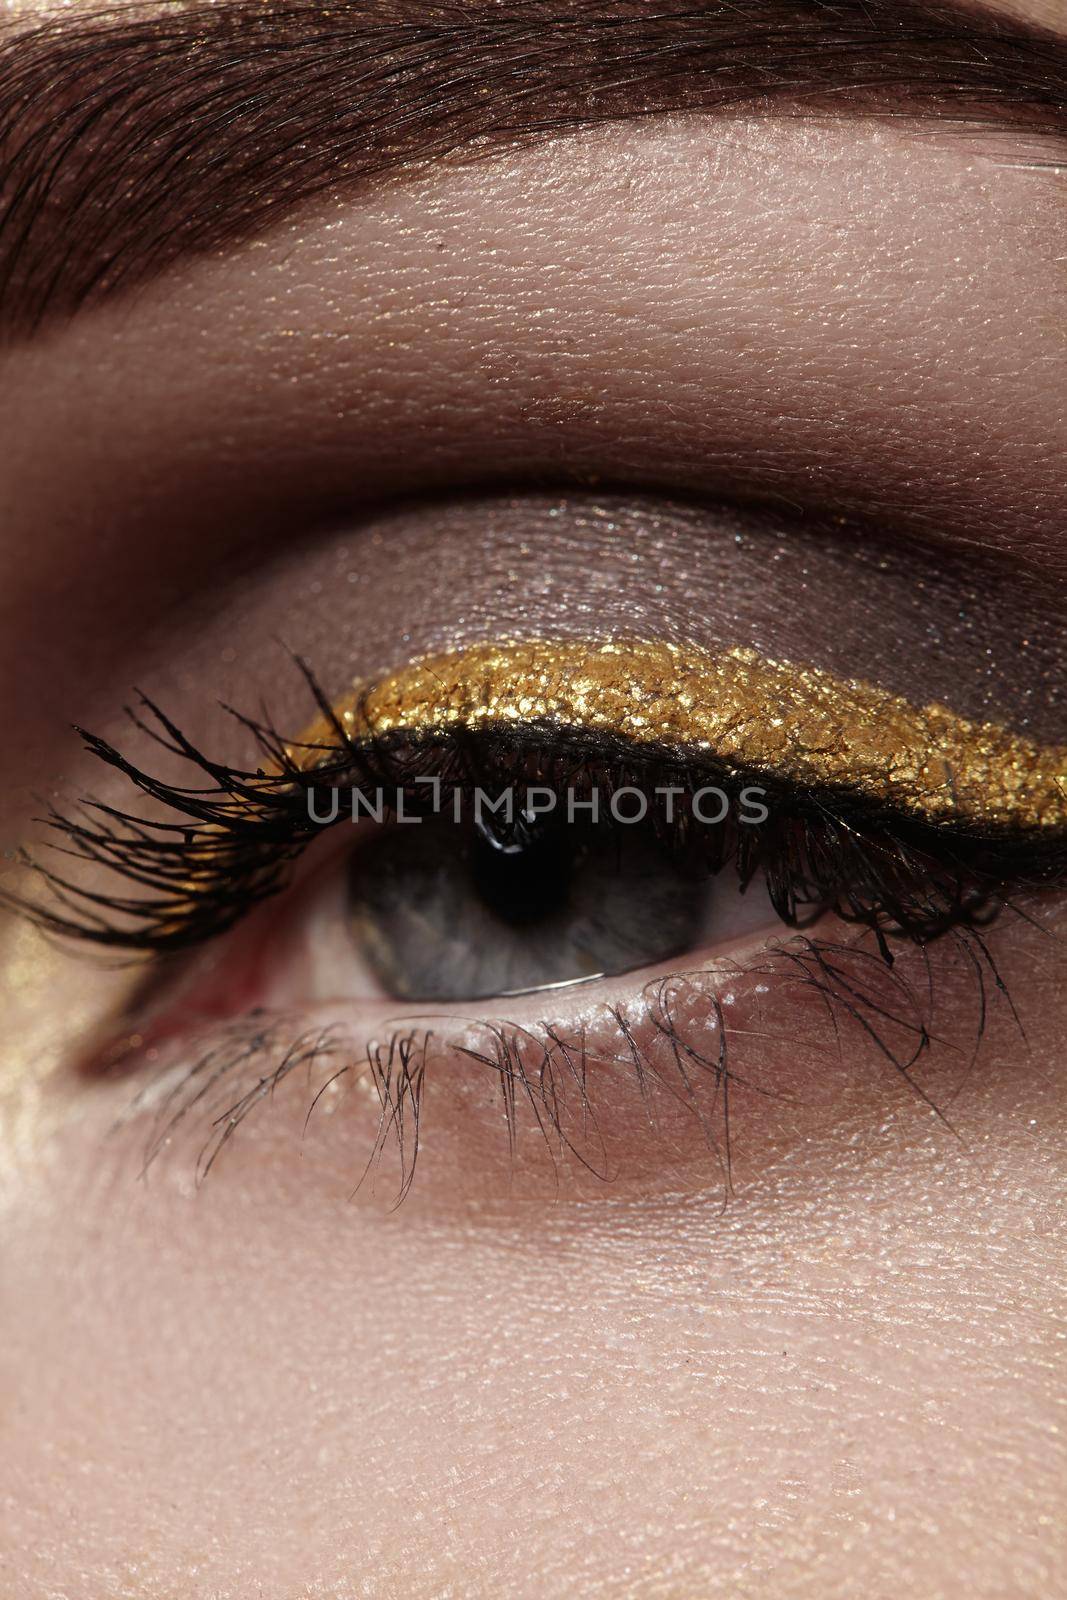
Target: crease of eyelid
column 753, row 713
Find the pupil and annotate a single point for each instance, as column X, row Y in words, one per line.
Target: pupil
column 523, row 875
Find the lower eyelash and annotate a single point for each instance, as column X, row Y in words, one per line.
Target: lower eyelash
column 546, row 1074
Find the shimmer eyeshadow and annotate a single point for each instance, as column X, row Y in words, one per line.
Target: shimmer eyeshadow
column 752, row 713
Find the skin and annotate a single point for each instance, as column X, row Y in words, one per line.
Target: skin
column 847, row 1380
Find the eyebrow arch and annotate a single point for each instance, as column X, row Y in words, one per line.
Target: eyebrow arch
column 131, row 135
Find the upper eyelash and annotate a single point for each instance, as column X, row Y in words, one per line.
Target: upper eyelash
column 230, row 843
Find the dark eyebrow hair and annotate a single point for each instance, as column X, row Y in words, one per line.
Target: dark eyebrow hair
column 130, row 136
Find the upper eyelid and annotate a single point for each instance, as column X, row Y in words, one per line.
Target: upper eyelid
column 251, row 824
column 752, row 712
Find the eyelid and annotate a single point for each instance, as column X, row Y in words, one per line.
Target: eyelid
column 752, row 712
column 663, row 1068
column 852, row 844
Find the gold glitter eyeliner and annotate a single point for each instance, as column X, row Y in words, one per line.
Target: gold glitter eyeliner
column 750, row 712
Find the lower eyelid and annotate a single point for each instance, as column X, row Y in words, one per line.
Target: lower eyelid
column 689, row 1078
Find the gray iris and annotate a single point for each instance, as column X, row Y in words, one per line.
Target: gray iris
column 442, row 912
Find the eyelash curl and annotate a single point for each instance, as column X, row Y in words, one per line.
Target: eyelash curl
column 227, row 845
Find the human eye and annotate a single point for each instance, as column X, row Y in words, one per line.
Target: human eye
column 585, row 860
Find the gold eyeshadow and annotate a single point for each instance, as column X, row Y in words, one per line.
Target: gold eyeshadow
column 751, row 712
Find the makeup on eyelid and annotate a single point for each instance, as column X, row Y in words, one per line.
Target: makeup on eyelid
column 706, row 581
column 888, row 665
column 678, row 454
column 365, row 602
column 786, row 718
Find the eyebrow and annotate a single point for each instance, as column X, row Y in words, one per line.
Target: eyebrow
column 131, row 137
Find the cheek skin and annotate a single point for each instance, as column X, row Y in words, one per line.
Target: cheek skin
column 801, row 1394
